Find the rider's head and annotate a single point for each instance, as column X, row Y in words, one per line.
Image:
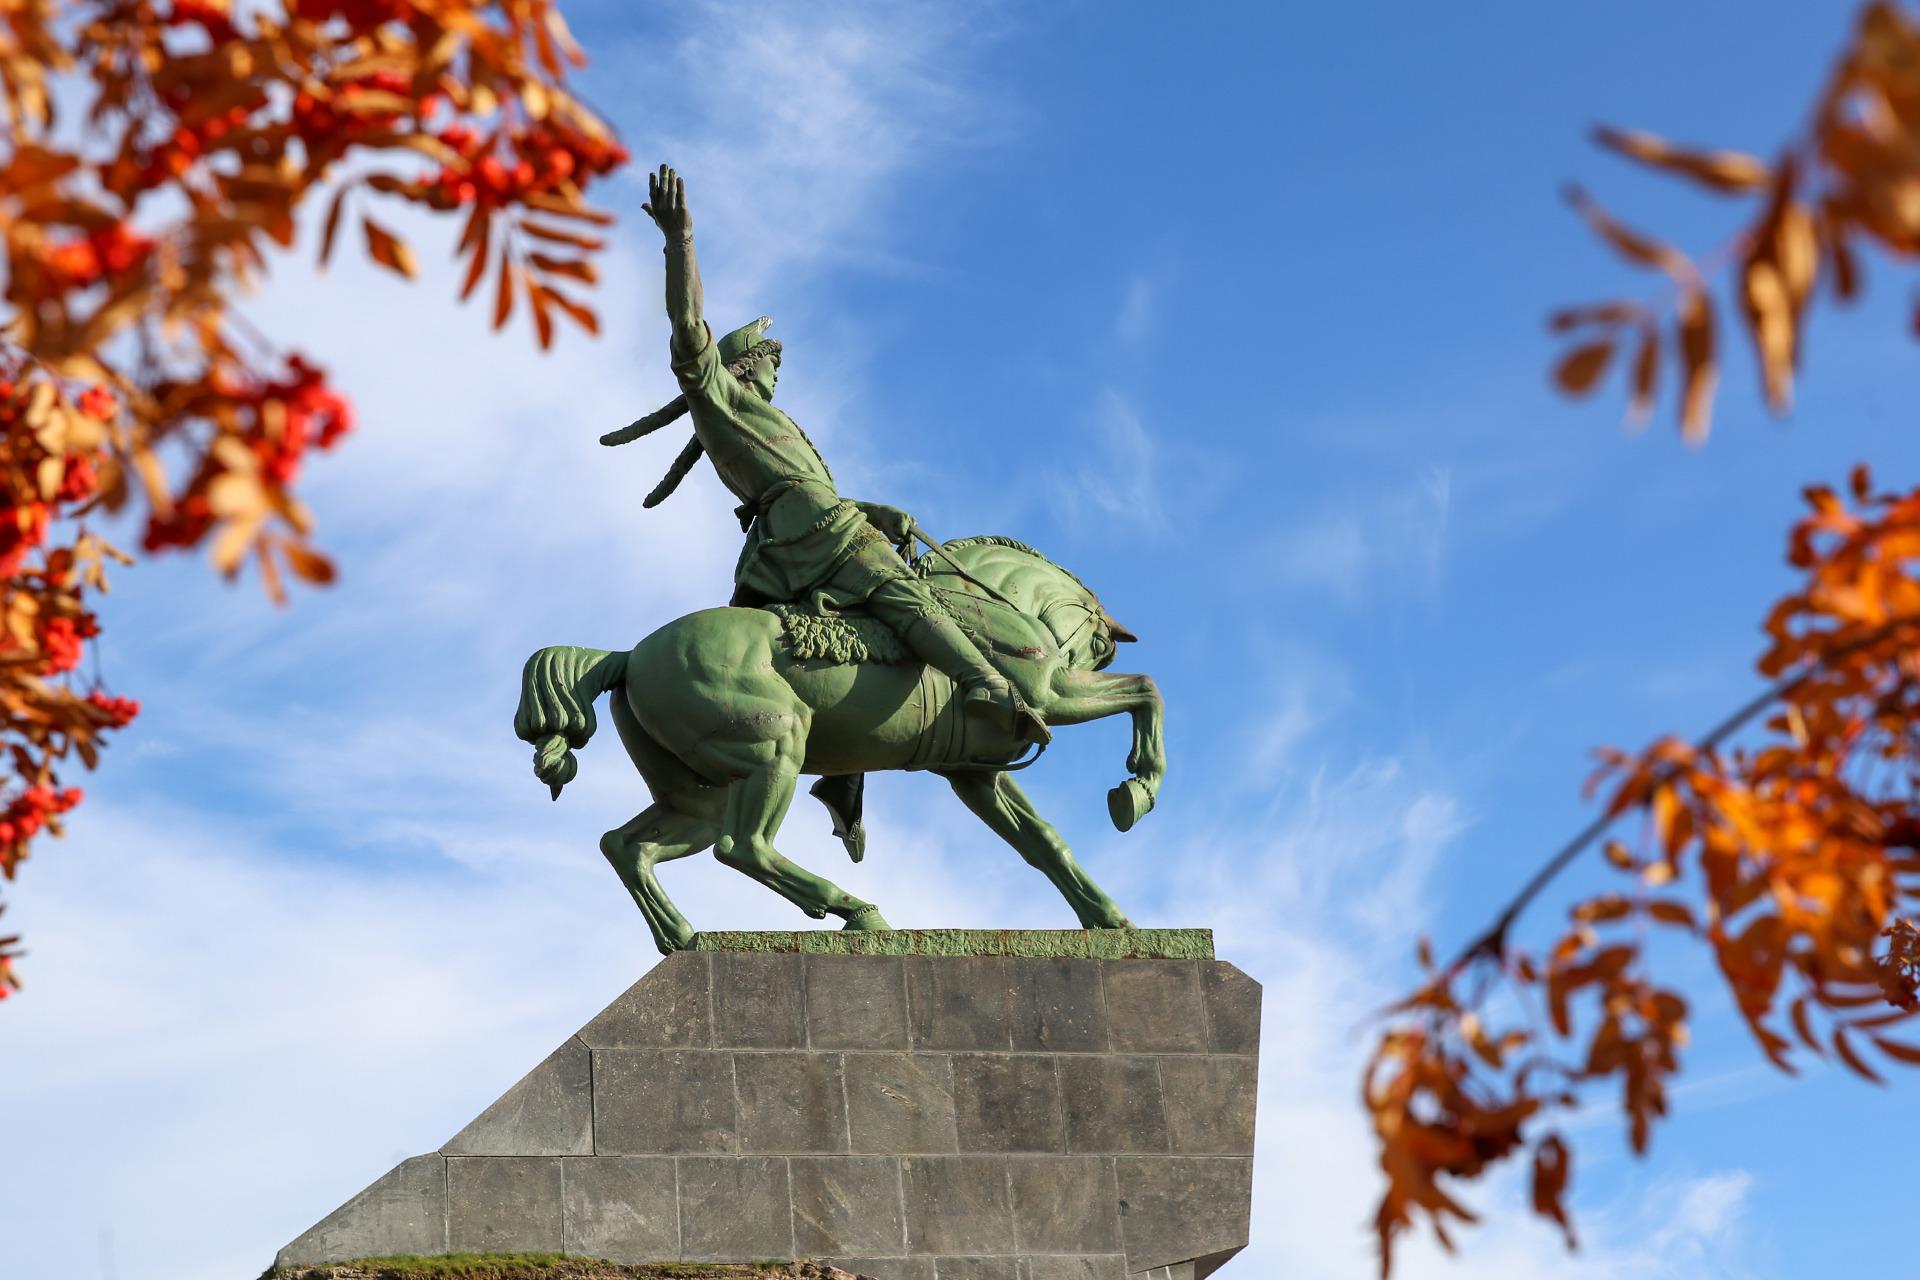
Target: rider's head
column 753, row 356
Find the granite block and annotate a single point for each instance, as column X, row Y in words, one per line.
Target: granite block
column 670, row 1008
column 886, row 1268
column 548, row 1113
column 1154, row 1006
column 1110, row 1266
column 621, row 1208
column 1233, row 1008
column 1113, row 1103
column 1065, row 1205
column 856, row 1002
column 847, row 1204
column 504, row 1204
column 1007, row 1102
column 662, row 1101
column 1210, row 1104
column 404, row 1210
column 976, row 1269
column 960, row 1003
column 735, row 1208
column 1058, row 1006
column 900, row 1103
column 790, row 1102
column 1176, row 1209
column 958, row 1205
column 759, row 1002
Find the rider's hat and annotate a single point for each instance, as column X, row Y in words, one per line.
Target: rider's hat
column 749, row 339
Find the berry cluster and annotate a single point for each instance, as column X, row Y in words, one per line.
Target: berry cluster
column 316, row 417
column 63, row 642
column 31, row 810
column 102, row 253
column 312, row 416
column 506, row 167
column 115, row 713
column 361, row 15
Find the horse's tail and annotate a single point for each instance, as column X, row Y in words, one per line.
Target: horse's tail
column 557, row 690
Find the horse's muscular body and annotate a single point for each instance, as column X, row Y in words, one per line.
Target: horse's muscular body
column 722, row 720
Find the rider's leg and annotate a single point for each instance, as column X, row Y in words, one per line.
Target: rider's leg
column 906, row 605
column 842, row 794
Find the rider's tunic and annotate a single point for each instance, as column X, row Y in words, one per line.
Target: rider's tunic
column 805, row 539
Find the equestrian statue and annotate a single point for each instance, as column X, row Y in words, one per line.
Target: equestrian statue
column 841, row 652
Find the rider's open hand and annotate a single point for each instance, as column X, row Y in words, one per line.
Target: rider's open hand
column 667, row 204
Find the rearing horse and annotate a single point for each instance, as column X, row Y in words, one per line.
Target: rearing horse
column 721, row 718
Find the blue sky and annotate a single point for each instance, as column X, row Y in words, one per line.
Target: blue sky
column 1233, row 309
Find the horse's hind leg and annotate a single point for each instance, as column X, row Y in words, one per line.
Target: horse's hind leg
column 755, row 804
column 660, row 833
column 999, row 802
column 684, row 819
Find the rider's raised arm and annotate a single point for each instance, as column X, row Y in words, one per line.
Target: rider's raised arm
column 686, row 307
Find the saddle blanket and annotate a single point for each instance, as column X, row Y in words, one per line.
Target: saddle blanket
column 849, row 637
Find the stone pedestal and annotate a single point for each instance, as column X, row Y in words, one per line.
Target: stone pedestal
column 1018, row 1106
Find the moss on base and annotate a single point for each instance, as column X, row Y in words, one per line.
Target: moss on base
column 1079, row 944
column 548, row 1266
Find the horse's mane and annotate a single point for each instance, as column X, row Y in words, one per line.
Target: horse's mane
column 1013, row 544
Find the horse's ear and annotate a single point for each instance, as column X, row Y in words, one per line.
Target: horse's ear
column 1119, row 633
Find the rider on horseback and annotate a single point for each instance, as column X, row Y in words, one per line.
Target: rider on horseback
column 804, row 541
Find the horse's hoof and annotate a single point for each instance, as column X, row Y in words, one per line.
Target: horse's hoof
column 867, row 918
column 1128, row 803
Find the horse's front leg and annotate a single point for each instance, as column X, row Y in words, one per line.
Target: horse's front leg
column 999, row 802
column 1075, row 697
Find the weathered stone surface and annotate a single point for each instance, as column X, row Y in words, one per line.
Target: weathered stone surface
column 1059, row 1007
column 670, row 1008
column 621, row 1208
column 735, row 1208
column 1233, row 1008
column 548, row 1113
column 790, row 1102
column 1210, row 1104
column 1113, row 1103
column 887, row 1268
column 961, row 1003
column 1112, row 1266
column 901, row 1103
column 662, row 1101
column 977, row 1269
column 504, row 1204
column 759, row 1002
column 958, row 1205
column 1085, row 944
column 847, row 1204
column 403, row 1211
column 1067, row 1205
column 1177, row 1208
column 856, row 1002
column 1007, row 1102
column 1154, row 1007
column 911, row 1117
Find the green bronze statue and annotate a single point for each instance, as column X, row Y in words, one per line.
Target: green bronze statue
column 840, row 653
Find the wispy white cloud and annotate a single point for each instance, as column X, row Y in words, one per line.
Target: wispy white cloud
column 1390, row 543
column 1134, row 322
column 1114, row 479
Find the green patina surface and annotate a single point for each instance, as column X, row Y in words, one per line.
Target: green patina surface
column 1081, row 944
column 974, row 650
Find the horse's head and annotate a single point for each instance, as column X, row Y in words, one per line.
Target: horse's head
column 1087, row 635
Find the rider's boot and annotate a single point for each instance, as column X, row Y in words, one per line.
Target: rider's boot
column 940, row 643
